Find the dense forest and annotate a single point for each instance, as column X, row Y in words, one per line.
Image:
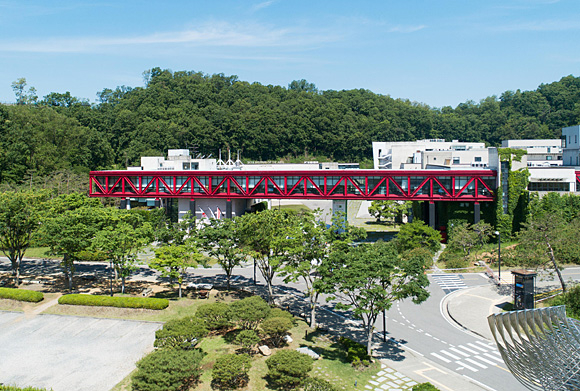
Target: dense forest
column 61, row 133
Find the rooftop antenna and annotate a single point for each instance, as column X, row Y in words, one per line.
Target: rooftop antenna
column 220, row 162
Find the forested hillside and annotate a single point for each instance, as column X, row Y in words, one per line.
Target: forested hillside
column 187, row 109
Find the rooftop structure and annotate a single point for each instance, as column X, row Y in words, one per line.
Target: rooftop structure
column 540, row 153
column 435, row 154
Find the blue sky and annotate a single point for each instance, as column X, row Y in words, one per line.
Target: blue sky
column 440, row 52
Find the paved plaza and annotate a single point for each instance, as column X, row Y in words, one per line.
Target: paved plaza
column 70, row 353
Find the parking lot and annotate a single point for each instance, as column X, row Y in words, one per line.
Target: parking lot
column 70, row 353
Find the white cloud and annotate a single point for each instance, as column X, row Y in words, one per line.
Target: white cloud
column 406, row 29
column 218, row 34
column 264, row 4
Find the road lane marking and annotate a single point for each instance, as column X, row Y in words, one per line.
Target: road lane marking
column 476, row 363
column 460, row 352
column 441, row 357
column 484, row 344
column 453, row 356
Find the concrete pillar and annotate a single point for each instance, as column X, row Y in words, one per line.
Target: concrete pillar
column 228, row 209
column 128, row 204
column 123, row 203
column 431, row 214
column 157, row 203
column 192, row 207
column 476, row 213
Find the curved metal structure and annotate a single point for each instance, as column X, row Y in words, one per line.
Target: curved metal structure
column 541, row 347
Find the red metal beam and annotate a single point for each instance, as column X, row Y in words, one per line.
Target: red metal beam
column 426, row 185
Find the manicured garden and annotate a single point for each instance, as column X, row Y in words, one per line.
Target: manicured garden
column 218, row 348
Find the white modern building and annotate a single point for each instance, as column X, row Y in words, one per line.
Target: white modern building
column 571, row 145
column 540, row 153
column 432, row 154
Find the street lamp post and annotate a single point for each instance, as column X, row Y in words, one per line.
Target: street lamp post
column 384, row 325
column 498, row 255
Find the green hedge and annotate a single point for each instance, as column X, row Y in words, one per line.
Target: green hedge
column 12, row 388
column 108, row 301
column 21, row 295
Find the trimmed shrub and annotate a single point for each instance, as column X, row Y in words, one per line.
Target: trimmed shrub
column 230, row 371
column 167, row 370
column 182, row 333
column 356, row 353
column 12, row 388
column 249, row 312
column 279, row 313
column 288, row 369
column 276, row 328
column 453, row 260
column 247, row 339
column 425, row 387
column 316, row 384
column 21, row 295
column 108, row 301
column 216, row 315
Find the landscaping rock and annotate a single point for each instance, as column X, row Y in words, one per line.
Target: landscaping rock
column 309, row 352
column 265, row 350
column 287, row 338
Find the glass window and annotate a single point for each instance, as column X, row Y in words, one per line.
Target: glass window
column 478, row 158
column 548, row 157
column 455, row 160
column 549, row 186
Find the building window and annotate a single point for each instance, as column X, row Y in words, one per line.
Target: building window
column 549, row 186
column 478, row 158
column 455, row 160
column 563, row 138
column 548, row 157
column 576, row 138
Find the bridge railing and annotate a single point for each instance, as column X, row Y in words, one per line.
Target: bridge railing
column 457, row 185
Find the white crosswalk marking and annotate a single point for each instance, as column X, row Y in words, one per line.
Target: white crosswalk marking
column 476, row 363
column 467, row 366
column 460, row 352
column 493, row 357
column 440, row 357
column 468, row 350
column 449, row 282
column 477, row 347
column 485, row 360
column 453, row 356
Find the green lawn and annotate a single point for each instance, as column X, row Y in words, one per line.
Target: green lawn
column 39, row 252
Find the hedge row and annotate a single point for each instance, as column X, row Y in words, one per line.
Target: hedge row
column 12, row 388
column 108, row 301
column 21, row 295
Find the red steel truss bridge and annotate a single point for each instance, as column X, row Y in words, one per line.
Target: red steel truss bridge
column 419, row 185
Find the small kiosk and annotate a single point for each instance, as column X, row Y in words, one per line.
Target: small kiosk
column 524, row 288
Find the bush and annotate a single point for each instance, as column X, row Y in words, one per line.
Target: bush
column 12, row 388
column 108, row 301
column 356, row 353
column 455, row 261
column 249, row 312
column 279, row 313
column 167, row 370
column 182, row 333
column 425, row 387
column 21, row 295
column 247, row 339
column 216, row 315
column 276, row 328
column 288, row 369
column 231, row 371
column 316, row 384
